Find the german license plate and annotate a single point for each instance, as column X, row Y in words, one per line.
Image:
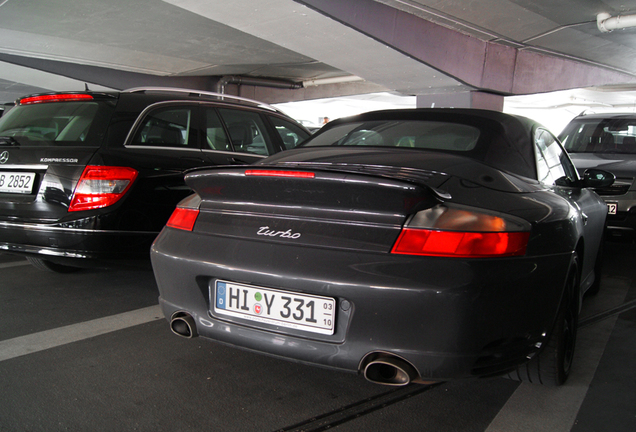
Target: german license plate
column 282, row 308
column 16, row 182
column 612, row 208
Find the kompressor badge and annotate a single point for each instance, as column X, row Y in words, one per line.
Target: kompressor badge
column 59, row 160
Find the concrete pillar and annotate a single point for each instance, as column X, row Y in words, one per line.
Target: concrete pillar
column 472, row 99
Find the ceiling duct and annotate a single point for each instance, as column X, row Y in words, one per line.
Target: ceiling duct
column 256, row 82
column 606, row 23
column 333, row 80
column 281, row 84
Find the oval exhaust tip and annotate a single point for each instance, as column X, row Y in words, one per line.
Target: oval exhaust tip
column 183, row 325
column 390, row 371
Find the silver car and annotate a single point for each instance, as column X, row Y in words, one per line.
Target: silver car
column 608, row 141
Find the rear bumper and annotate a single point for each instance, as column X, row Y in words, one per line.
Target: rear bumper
column 449, row 318
column 65, row 244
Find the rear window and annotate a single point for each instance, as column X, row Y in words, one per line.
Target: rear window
column 57, row 124
column 616, row 135
column 429, row 135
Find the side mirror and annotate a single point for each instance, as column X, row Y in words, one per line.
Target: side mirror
column 596, row 178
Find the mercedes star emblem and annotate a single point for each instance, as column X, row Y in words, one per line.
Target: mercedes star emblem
column 4, row 157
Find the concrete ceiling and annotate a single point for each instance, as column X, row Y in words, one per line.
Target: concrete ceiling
column 299, row 50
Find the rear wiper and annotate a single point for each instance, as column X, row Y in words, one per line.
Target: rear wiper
column 8, row 141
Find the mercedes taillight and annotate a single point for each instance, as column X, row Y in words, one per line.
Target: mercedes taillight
column 101, row 186
column 60, row 97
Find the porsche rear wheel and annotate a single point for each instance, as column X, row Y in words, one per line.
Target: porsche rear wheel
column 552, row 365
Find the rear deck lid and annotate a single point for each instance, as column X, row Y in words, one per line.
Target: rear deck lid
column 306, row 207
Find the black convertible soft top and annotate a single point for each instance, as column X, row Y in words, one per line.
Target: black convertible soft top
column 504, row 142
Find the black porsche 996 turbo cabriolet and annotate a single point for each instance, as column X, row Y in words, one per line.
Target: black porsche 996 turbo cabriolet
column 408, row 245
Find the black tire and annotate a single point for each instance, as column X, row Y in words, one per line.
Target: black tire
column 46, row 265
column 552, row 365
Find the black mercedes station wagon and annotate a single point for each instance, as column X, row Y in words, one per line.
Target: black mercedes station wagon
column 90, row 178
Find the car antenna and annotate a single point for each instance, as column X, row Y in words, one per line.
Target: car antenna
column 86, row 87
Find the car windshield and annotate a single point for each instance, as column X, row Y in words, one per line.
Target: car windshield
column 613, row 135
column 431, row 135
column 55, row 124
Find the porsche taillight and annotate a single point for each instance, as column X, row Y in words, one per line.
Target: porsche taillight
column 463, row 232
column 279, row 173
column 185, row 215
column 183, row 218
column 101, row 186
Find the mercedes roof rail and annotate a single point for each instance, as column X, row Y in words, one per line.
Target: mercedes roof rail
column 201, row 93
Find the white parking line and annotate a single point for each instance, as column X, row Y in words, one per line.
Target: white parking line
column 35, row 342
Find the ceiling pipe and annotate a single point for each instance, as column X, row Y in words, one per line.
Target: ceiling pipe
column 281, row 84
column 333, row 80
column 606, row 23
column 256, row 82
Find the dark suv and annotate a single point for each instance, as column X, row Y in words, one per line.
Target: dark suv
column 608, row 141
column 90, row 178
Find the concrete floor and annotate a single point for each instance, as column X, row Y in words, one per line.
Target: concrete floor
column 91, row 351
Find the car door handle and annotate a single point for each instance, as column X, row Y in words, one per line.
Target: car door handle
column 236, row 161
column 196, row 160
